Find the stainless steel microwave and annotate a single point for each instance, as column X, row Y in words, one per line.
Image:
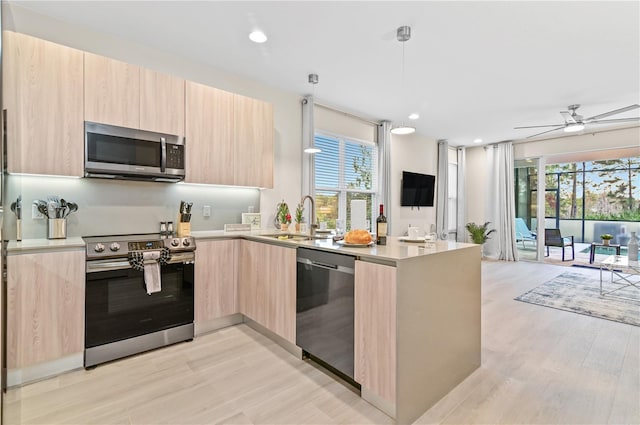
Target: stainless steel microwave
column 126, row 153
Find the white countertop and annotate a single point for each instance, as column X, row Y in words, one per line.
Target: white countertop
column 394, row 250
column 45, row 244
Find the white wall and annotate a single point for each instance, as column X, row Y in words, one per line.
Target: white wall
column 287, row 109
column 418, row 154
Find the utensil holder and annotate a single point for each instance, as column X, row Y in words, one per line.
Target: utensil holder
column 184, row 229
column 57, row 228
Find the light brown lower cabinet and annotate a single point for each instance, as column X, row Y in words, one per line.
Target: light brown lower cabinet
column 45, row 307
column 267, row 286
column 375, row 328
column 215, row 280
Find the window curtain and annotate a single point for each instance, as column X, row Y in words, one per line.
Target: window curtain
column 384, row 170
column 308, row 133
column 501, row 205
column 442, row 196
column 461, row 231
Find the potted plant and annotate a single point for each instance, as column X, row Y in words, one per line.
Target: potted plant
column 479, row 233
column 284, row 216
column 298, row 216
column 606, row 237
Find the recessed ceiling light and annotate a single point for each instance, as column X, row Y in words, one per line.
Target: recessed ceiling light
column 414, row 116
column 258, row 37
column 477, row 141
column 312, row 150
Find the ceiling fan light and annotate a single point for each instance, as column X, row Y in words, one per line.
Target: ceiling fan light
column 402, row 130
column 573, row 128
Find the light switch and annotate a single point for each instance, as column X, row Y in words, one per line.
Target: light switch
column 206, row 211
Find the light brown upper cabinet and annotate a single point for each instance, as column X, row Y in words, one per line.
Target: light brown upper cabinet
column 127, row 95
column 111, row 91
column 209, row 135
column 42, row 93
column 161, row 102
column 254, row 142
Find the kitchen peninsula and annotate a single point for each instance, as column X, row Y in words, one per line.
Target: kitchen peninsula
column 417, row 308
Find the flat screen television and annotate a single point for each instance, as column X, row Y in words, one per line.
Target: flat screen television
column 417, row 189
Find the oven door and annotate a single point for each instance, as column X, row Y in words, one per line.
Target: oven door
column 118, row 307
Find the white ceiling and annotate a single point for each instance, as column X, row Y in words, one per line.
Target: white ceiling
column 472, row 69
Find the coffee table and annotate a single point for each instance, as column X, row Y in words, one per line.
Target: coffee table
column 594, row 245
column 624, row 273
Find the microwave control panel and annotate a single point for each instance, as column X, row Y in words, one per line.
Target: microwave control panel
column 175, row 156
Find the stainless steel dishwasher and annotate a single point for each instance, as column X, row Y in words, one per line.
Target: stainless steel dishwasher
column 324, row 308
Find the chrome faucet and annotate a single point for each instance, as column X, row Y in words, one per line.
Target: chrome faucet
column 313, row 225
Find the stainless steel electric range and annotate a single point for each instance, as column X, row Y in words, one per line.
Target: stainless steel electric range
column 121, row 317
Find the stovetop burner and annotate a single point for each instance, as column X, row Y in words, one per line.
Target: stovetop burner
column 116, row 246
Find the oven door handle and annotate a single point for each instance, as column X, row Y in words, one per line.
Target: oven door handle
column 105, row 266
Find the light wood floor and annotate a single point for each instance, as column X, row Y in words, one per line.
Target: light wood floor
column 539, row 365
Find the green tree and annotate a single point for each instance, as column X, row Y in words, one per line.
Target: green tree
column 362, row 167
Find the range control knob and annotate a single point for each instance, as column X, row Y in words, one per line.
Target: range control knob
column 186, row 242
column 99, row 247
column 114, row 246
column 175, row 242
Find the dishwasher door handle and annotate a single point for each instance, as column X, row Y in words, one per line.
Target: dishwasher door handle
column 333, row 267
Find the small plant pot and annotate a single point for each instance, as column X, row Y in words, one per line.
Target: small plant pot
column 284, row 227
column 605, row 242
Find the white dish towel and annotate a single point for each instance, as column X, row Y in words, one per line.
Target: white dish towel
column 152, row 271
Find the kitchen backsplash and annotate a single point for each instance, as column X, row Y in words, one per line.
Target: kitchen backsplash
column 109, row 207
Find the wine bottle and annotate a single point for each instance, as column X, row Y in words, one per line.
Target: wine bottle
column 381, row 228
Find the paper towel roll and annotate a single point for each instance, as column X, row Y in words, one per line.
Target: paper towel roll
column 359, row 214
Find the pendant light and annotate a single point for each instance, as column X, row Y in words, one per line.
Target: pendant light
column 313, row 79
column 403, row 34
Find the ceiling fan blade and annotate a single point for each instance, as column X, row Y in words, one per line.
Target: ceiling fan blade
column 568, row 118
column 540, row 126
column 548, row 131
column 617, row 111
column 615, row 120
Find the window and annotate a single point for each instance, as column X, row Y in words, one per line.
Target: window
column 345, row 170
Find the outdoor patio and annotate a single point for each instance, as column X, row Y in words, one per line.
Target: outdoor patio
column 555, row 254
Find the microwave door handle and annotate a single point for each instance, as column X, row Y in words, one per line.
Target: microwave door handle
column 163, row 154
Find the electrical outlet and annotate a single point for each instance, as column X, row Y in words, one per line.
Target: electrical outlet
column 35, row 214
column 206, row 211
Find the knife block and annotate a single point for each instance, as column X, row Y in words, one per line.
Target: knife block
column 184, row 229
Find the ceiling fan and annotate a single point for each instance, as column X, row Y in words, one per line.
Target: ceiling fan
column 574, row 122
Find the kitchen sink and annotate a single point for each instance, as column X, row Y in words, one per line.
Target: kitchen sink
column 293, row 237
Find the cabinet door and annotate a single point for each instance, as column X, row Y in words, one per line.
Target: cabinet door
column 254, row 142
column 215, row 280
column 267, row 286
column 251, row 289
column 45, row 307
column 161, row 102
column 42, row 93
column 209, row 135
column 279, row 264
column 111, row 91
column 375, row 328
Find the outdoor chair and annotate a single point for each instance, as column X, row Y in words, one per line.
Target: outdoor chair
column 523, row 233
column 553, row 237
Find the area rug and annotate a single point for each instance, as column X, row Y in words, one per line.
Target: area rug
column 580, row 294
